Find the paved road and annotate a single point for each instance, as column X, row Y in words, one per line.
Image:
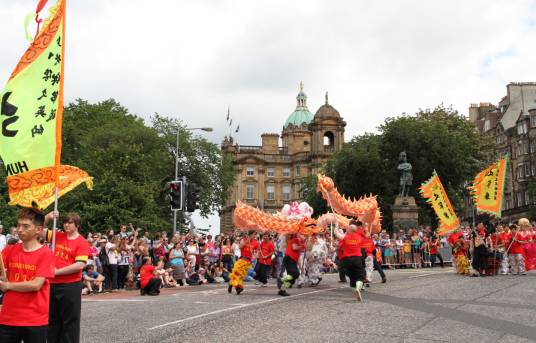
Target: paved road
column 414, row 306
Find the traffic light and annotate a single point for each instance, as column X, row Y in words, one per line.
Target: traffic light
column 175, row 192
column 192, row 197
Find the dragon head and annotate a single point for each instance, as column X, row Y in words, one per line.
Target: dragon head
column 325, row 183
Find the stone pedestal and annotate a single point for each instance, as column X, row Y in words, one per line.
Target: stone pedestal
column 405, row 213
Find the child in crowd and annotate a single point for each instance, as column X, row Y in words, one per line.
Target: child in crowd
column 165, row 275
column 407, row 253
column 92, row 280
column 30, row 265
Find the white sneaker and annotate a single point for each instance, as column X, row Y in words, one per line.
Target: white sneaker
column 357, row 295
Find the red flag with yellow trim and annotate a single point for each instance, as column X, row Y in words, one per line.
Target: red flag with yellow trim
column 31, row 111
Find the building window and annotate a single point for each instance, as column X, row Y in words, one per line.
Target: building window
column 527, row 170
column 520, row 171
column 298, row 170
column 519, row 199
column 270, row 192
column 527, row 198
column 533, row 120
column 250, row 171
column 329, row 139
column 526, row 147
column 508, row 202
column 249, row 192
column 270, row 172
column 286, row 172
column 533, row 146
column 534, row 169
column 519, row 146
column 522, row 128
column 286, row 192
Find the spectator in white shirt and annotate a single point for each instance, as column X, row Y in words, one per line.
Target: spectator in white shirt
column 12, row 234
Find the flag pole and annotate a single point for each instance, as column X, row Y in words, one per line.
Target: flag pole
column 55, row 219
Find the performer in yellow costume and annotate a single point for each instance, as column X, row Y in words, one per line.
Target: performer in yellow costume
column 249, row 247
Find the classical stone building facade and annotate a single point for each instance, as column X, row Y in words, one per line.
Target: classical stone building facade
column 512, row 123
column 270, row 175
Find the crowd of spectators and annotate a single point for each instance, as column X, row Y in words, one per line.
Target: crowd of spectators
column 132, row 258
column 120, row 260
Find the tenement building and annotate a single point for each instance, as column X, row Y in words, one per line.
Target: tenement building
column 512, row 123
column 273, row 174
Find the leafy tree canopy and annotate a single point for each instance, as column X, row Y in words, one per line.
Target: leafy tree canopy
column 439, row 139
column 132, row 164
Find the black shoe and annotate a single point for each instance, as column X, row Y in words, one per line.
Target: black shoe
column 283, row 293
column 230, row 289
column 367, row 285
column 384, row 280
column 316, row 283
column 239, row 290
column 342, row 281
column 142, row 291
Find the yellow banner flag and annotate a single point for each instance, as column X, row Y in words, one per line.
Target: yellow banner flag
column 488, row 188
column 434, row 193
column 31, row 111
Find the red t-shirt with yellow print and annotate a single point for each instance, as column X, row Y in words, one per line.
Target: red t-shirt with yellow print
column 67, row 252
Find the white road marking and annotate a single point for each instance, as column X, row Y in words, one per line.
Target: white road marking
column 416, row 276
column 113, row 300
column 239, row 306
column 428, row 274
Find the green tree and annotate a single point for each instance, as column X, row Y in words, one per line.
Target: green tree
column 199, row 160
column 437, row 139
column 8, row 214
column 127, row 160
column 132, row 164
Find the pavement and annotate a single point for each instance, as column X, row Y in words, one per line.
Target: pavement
column 413, row 306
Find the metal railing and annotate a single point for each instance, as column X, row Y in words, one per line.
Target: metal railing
column 417, row 257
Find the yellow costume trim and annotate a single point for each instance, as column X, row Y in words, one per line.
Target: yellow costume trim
column 462, row 265
column 240, row 270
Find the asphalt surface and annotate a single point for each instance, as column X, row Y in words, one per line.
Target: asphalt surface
column 413, row 306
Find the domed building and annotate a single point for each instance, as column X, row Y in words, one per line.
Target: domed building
column 271, row 175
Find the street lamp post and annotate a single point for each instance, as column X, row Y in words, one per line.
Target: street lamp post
column 207, row 129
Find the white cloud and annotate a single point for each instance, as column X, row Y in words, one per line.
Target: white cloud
column 194, row 58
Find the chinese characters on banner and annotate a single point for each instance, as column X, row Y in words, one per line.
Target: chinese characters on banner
column 31, row 110
column 488, row 188
column 433, row 191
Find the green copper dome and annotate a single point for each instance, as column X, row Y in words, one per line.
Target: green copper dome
column 301, row 114
column 299, row 117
